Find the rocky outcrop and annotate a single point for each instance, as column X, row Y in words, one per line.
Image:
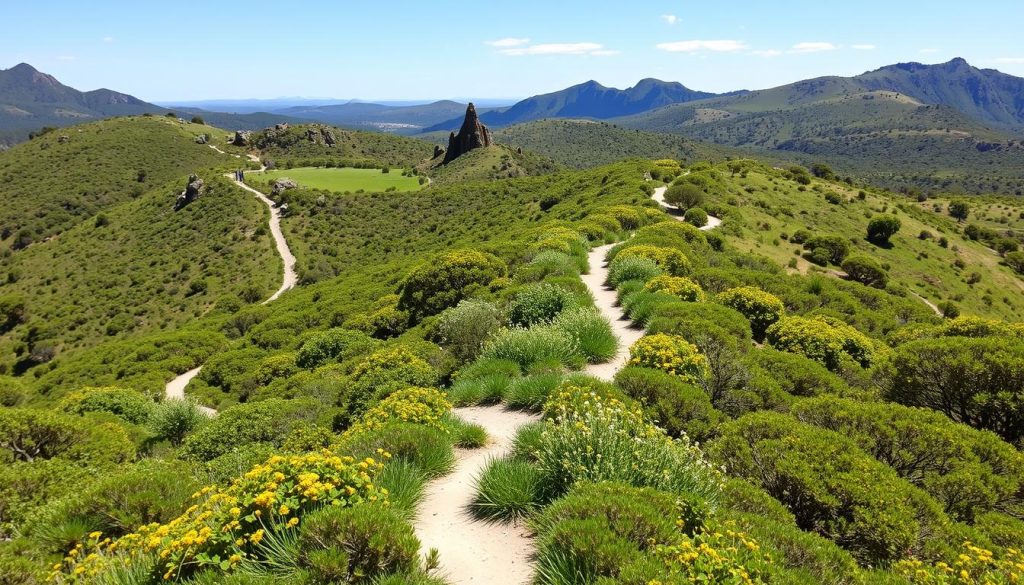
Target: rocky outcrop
column 281, row 185
column 281, row 126
column 201, row 139
column 321, row 135
column 63, row 139
column 241, row 138
column 471, row 136
column 438, row 151
column 192, row 192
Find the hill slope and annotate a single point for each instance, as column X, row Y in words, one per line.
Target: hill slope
column 50, row 183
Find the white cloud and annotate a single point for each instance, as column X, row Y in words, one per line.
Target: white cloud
column 670, row 18
column 1010, row 60
column 926, row 51
column 766, row 52
column 508, row 42
column 718, row 46
column 66, row 57
column 864, row 47
column 107, row 39
column 594, row 49
column 813, row 47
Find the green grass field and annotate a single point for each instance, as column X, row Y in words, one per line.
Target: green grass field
column 341, row 179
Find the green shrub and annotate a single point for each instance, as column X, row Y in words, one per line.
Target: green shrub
column 387, row 370
column 406, row 484
column 969, row 472
column 642, row 305
column 443, row 282
column 531, row 392
column 268, row 421
column 333, row 344
column 834, row 248
column 31, row 435
column 591, row 438
column 671, row 260
column 591, row 332
column 866, row 271
column 677, row 286
column 12, row 391
column 482, row 390
column 740, row 495
column 467, row 435
column 129, row 405
column 535, row 345
column 685, row 319
column 671, row 354
column 173, row 420
column 696, row 217
column 356, row 544
column 882, row 227
column 797, row 374
column 680, row 408
column 684, row 195
column 1004, row 530
column 821, row 339
column 484, row 367
column 507, row 489
column 978, row 382
column 539, row 303
column 24, row 487
column 463, row 329
column 632, row 268
column 760, row 308
column 428, row 449
column 830, row 485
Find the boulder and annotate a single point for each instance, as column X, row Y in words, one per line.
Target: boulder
column 63, row 138
column 281, row 126
column 192, row 191
column 281, row 185
column 438, row 151
column 241, row 138
column 201, row 139
column 329, row 139
column 471, row 136
column 519, row 150
column 313, row 135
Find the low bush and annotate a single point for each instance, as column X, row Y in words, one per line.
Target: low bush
column 591, row 332
column 482, row 390
column 173, row 420
column 333, row 344
column 539, row 303
column 797, row 374
column 535, row 345
column 642, row 305
column 824, row 340
column 677, row 286
column 129, row 405
column 427, row 448
column 680, row 408
column 422, row 406
column 531, row 392
column 670, row 260
column 463, row 329
column 357, row 544
column 671, row 354
column 507, row 489
column 267, row 421
column 632, row 268
column 760, row 308
column 443, row 282
column 696, row 217
column 865, row 270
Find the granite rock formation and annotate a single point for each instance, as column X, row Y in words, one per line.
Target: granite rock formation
column 472, row 135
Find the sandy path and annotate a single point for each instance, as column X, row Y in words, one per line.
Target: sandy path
column 935, row 308
column 659, row 196
column 604, row 299
column 176, row 387
column 471, row 550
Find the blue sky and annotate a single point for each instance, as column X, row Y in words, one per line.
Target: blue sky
column 439, row 49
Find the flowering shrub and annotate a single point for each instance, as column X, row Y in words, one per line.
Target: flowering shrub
column 225, row 526
column 444, row 281
column 672, row 261
column 720, row 555
column 392, row 366
column 974, row 566
column 423, row 406
column 678, row 286
column 669, row 353
column 590, row 437
column 760, row 308
column 821, row 339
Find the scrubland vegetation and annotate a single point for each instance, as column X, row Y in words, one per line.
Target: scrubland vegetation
column 779, row 422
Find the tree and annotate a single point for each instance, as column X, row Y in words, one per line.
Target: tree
column 684, row 196
column 833, row 248
column 866, row 271
column 1015, row 260
column 822, row 171
column 696, row 216
column 959, row 210
column 198, row 120
column 882, row 227
column 976, row 381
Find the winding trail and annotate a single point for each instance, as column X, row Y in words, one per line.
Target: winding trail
column 472, row 550
column 175, row 389
column 659, row 196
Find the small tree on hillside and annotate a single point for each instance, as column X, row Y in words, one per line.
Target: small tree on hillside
column 198, row 120
column 684, row 196
column 883, row 227
column 822, row 171
column 959, row 210
column 866, row 271
column 1015, row 260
